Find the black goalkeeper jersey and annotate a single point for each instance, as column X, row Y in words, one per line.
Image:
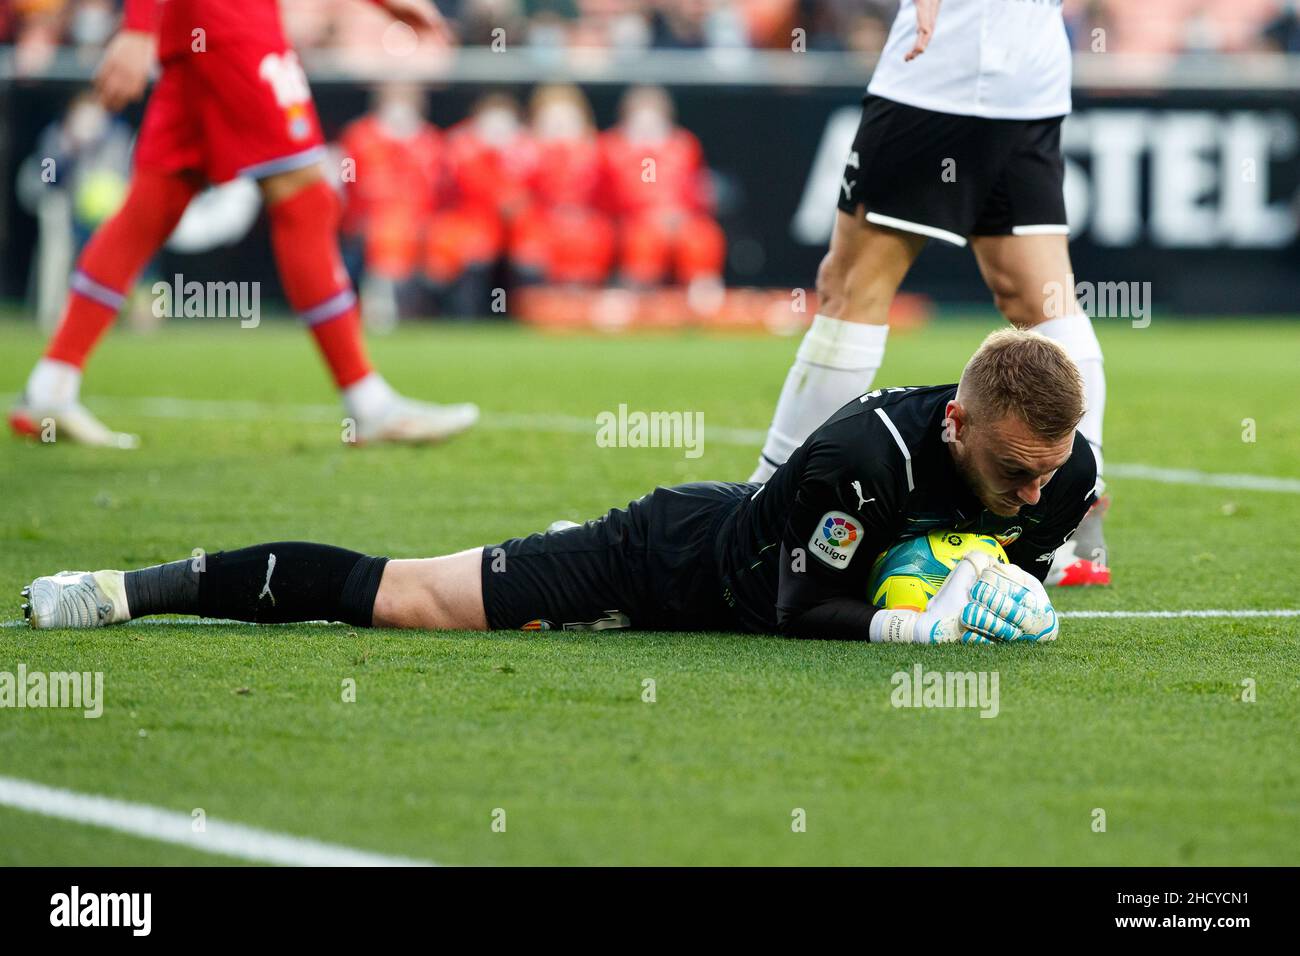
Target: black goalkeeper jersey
column 796, row 555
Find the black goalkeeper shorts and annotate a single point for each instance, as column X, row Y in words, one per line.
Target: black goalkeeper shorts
column 948, row 177
column 648, row 566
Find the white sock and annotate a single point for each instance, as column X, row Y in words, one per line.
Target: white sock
column 836, row 362
column 53, row 384
column 1075, row 334
column 113, row 584
column 369, row 397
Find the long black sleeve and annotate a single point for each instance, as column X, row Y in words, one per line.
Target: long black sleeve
column 835, row 619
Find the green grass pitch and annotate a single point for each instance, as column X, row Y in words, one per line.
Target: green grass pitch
column 1140, row 718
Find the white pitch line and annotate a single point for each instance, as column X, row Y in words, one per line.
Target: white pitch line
column 168, row 826
column 234, row 410
column 1188, row 476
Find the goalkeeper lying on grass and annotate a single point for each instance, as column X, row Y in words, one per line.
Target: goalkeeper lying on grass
column 997, row 454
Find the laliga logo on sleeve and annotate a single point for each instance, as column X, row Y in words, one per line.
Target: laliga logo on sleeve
column 836, row 540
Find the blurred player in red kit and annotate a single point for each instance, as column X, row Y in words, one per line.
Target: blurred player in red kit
column 660, row 193
column 564, row 237
column 490, row 159
column 391, row 192
column 232, row 100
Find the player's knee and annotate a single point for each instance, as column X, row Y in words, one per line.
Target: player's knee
column 1020, row 309
column 1014, row 300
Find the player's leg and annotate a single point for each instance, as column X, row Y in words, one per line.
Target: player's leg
column 258, row 120
column 304, row 214
column 577, row 576
column 650, row 564
column 845, row 345
column 164, row 180
column 281, row 582
column 896, row 191
column 1032, row 283
column 105, row 272
column 444, row 593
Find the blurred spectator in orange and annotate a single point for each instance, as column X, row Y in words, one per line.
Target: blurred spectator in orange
column 563, row 236
column 659, row 191
column 391, row 176
column 490, row 161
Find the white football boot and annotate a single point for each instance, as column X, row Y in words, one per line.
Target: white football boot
column 76, row 599
column 72, row 422
column 406, row 420
column 51, row 410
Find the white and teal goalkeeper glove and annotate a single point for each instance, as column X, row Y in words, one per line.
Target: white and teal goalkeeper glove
column 1010, row 604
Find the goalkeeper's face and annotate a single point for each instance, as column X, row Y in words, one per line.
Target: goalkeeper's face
column 1003, row 461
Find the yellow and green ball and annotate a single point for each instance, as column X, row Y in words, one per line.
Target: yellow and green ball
column 912, row 571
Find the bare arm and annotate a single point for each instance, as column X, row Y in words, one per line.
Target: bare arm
column 124, row 69
column 927, row 12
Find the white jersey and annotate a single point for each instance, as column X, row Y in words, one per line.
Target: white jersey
column 1005, row 59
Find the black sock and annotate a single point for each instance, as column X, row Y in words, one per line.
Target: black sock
column 171, row 588
column 277, row 583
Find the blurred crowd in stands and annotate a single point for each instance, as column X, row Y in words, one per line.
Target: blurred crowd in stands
column 515, row 195
column 38, row 27
column 433, row 217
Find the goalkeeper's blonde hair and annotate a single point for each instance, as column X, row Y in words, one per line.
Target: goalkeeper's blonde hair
column 1021, row 373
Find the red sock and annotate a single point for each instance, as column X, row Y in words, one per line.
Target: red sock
column 304, row 235
column 112, row 259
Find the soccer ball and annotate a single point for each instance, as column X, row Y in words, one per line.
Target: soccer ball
column 912, row 571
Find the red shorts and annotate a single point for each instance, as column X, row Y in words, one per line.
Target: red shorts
column 243, row 111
